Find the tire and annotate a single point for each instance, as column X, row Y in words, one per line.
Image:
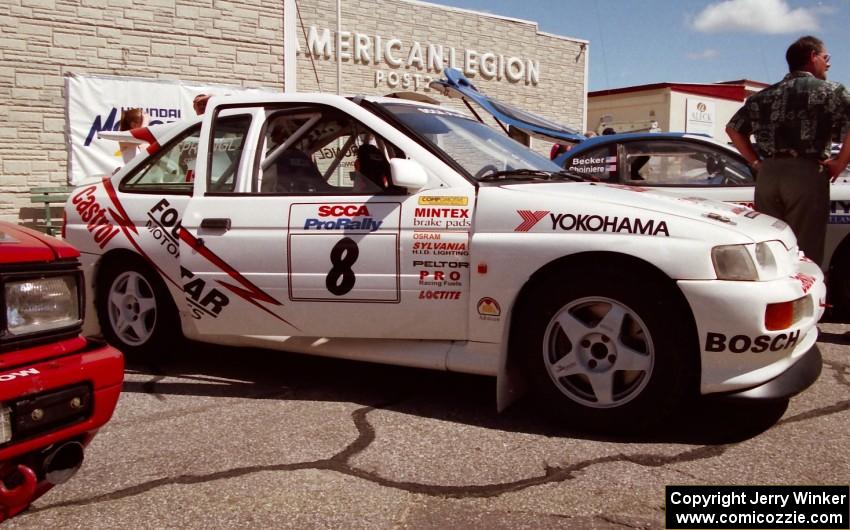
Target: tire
column 608, row 352
column 136, row 312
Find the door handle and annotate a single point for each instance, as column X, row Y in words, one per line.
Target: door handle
column 216, row 223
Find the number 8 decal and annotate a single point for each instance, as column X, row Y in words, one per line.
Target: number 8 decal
column 340, row 280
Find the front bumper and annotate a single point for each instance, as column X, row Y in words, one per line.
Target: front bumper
column 737, row 351
column 789, row 383
column 42, row 383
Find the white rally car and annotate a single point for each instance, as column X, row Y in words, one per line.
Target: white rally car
column 400, row 232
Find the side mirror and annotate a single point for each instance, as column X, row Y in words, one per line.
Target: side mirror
column 408, row 174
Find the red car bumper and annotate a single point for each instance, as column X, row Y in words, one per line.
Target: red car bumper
column 57, row 395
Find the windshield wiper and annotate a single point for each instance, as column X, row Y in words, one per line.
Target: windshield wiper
column 534, row 173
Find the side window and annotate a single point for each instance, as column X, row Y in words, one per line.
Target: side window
column 169, row 171
column 599, row 163
column 228, row 141
column 683, row 163
column 320, row 150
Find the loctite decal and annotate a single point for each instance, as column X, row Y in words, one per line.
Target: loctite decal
column 718, row 342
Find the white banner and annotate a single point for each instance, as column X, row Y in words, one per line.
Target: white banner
column 699, row 117
column 95, row 104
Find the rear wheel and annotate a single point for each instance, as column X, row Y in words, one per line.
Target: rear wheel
column 611, row 354
column 135, row 310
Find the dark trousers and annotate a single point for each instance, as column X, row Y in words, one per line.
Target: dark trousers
column 796, row 190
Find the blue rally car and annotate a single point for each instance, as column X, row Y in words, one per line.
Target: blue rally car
column 690, row 164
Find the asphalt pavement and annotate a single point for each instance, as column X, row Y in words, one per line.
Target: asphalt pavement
column 226, row 437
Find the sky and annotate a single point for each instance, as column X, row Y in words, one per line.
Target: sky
column 636, row 42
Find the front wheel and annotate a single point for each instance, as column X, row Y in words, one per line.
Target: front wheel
column 136, row 312
column 609, row 354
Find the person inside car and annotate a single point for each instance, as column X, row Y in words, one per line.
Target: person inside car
column 373, row 171
column 294, row 172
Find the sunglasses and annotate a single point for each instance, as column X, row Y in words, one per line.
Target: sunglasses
column 826, row 57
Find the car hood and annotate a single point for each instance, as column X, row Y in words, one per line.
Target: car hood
column 456, row 85
column 22, row 245
column 736, row 218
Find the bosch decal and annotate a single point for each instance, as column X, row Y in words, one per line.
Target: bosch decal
column 98, row 225
column 718, row 342
column 20, row 373
column 600, row 223
column 203, row 301
column 349, row 217
column 164, row 225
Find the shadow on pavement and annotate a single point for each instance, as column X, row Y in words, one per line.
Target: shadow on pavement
column 231, row 372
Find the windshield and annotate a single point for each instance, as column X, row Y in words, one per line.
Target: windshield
column 475, row 146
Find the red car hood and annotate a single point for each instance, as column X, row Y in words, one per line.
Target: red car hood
column 22, row 245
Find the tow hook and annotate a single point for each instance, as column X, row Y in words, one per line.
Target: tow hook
column 20, row 495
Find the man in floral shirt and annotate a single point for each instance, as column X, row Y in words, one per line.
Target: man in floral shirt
column 794, row 123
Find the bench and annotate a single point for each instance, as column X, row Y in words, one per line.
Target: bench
column 56, row 195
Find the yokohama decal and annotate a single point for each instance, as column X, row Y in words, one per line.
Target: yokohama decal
column 529, row 219
column 251, row 293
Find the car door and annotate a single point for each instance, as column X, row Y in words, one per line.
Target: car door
column 303, row 244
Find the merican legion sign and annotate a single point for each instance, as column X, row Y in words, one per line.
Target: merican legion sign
column 428, row 59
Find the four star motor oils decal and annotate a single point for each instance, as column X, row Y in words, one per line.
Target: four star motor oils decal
column 344, row 251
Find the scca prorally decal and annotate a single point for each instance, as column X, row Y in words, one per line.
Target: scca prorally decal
column 249, row 292
column 347, row 217
column 529, row 219
column 605, row 223
column 718, row 342
column 20, row 373
column 204, row 301
column 805, row 280
column 98, row 224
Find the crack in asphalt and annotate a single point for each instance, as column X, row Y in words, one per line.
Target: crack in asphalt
column 340, row 462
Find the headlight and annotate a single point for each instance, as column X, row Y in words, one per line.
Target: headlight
column 766, row 259
column 733, row 262
column 41, row 304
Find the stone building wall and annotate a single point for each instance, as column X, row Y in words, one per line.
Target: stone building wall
column 237, row 43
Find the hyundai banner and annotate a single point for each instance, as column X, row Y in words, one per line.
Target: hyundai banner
column 95, row 104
